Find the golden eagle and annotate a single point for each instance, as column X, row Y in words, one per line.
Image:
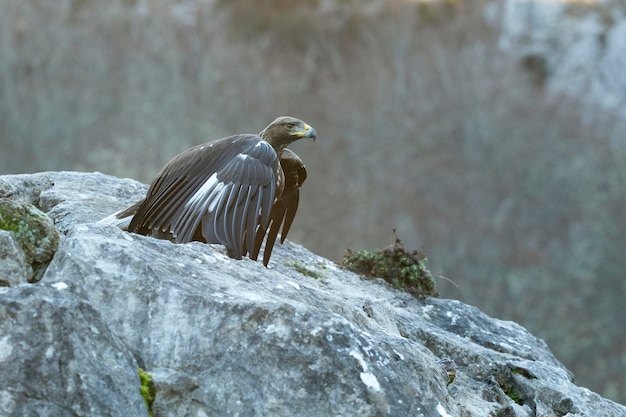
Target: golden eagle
column 233, row 191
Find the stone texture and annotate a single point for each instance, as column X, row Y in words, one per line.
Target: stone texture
column 58, row 357
column 33, row 232
column 225, row 337
column 13, row 266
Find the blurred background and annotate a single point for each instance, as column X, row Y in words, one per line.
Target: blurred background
column 491, row 134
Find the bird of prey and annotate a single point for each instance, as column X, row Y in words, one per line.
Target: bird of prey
column 234, row 191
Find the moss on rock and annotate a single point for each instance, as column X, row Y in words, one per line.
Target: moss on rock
column 33, row 230
column 304, row 270
column 147, row 389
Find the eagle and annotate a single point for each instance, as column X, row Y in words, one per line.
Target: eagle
column 234, row 191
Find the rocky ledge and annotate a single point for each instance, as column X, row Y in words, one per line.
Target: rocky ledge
column 218, row 337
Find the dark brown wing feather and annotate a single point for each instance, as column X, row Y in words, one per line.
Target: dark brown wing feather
column 285, row 208
column 220, row 191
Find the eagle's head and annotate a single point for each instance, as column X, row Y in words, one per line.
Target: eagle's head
column 285, row 130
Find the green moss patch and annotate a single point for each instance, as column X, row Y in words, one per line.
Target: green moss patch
column 33, row 230
column 147, row 389
column 400, row 267
column 304, row 270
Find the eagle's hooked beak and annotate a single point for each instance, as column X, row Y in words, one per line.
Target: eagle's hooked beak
column 306, row 132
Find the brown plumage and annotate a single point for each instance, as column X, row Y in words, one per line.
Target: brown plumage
column 233, row 191
column 285, row 207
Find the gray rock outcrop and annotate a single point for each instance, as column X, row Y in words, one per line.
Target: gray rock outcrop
column 233, row 338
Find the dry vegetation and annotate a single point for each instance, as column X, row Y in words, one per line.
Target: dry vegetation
column 423, row 125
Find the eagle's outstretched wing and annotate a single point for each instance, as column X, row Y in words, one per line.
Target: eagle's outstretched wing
column 219, row 191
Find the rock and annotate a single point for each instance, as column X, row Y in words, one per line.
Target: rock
column 33, row 232
column 224, row 337
column 58, row 357
column 13, row 267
